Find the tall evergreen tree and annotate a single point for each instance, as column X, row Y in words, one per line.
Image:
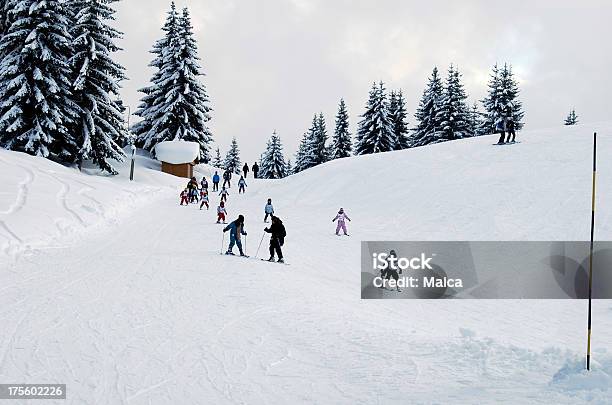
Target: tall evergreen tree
column 302, row 157
column 475, row 123
column 154, row 96
column 216, row 162
column 502, row 100
column 341, row 145
column 289, row 167
column 101, row 128
column 37, row 106
column 427, row 112
column 175, row 106
column 453, row 114
column 317, row 141
column 273, row 165
column 572, row 118
column 375, row 132
column 397, row 115
column 232, row 158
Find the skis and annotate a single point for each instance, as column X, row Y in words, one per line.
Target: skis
column 506, row 143
column 268, row 261
column 232, row 254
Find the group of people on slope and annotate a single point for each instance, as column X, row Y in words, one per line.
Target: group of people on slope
column 506, row 125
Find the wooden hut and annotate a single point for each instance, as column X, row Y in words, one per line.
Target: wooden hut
column 178, row 157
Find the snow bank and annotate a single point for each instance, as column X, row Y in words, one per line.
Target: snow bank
column 177, row 152
column 44, row 204
column 594, row 385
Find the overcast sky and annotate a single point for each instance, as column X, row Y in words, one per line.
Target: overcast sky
column 271, row 64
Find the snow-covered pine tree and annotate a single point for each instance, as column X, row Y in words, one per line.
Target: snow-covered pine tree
column 341, row 145
column 375, row 132
column 572, row 118
column 397, row 115
column 232, row 158
column 426, row 114
column 100, row 130
column 175, row 106
column 453, row 114
column 289, row 167
column 474, row 122
column 216, row 162
column 154, row 94
column 37, row 106
column 273, row 164
column 317, row 135
column 302, row 157
column 502, row 100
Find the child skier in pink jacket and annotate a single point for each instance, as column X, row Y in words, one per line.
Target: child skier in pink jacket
column 341, row 217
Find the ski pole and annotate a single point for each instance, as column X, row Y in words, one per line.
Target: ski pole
column 222, row 243
column 260, row 242
column 245, row 245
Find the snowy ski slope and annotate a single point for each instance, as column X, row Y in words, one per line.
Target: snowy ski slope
column 112, row 288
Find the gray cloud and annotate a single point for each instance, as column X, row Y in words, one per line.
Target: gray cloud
column 271, row 64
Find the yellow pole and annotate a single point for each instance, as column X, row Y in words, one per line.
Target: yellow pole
column 588, row 357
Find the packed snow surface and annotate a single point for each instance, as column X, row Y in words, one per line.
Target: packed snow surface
column 177, row 152
column 111, row 287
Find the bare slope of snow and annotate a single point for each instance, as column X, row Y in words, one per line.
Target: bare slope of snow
column 147, row 311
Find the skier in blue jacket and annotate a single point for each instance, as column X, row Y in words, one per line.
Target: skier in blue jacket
column 215, row 180
column 236, row 229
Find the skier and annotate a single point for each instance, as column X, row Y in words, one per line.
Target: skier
column 510, row 126
column 204, row 198
column 341, row 217
column 269, row 210
column 241, row 185
column 185, row 197
column 236, row 229
column 215, row 180
column 204, row 184
column 500, row 126
column 223, row 193
column 255, row 170
column 221, row 212
column 277, row 238
column 227, row 177
column 245, row 169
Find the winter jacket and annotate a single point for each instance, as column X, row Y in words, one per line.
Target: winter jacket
column 255, row 168
column 223, row 192
column 242, row 183
column 216, row 178
column 235, row 229
column 184, row 194
column 341, row 217
column 204, row 183
column 245, row 168
column 277, row 229
column 269, row 209
column 221, row 210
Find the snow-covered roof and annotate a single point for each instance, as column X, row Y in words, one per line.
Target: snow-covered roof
column 177, row 152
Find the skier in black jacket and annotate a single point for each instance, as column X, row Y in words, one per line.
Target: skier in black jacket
column 255, row 170
column 277, row 238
